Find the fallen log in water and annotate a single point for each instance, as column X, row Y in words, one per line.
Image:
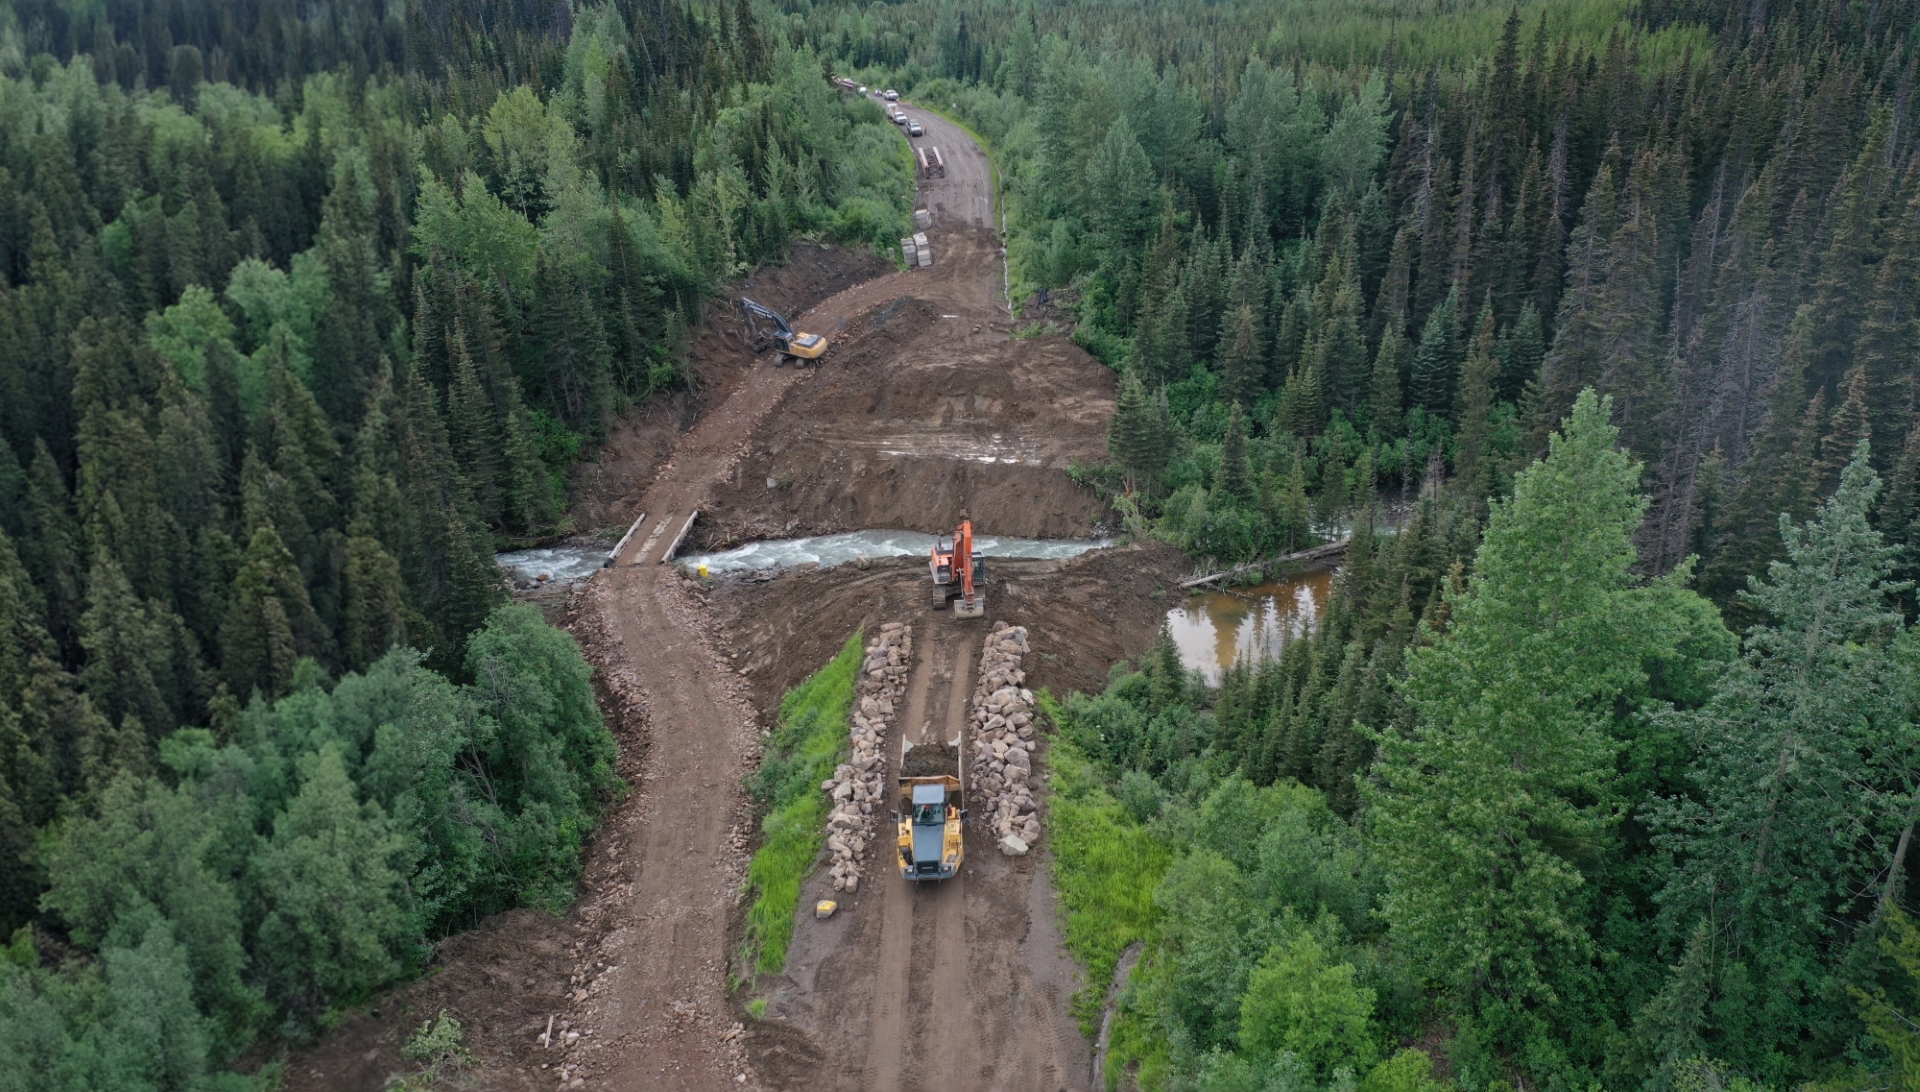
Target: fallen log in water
column 1327, row 550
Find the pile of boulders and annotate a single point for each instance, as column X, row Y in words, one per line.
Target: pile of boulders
column 1003, row 743
column 858, row 786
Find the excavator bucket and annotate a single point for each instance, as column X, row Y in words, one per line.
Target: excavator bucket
column 970, row 608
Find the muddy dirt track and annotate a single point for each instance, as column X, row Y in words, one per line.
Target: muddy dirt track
column 961, row 984
column 924, row 406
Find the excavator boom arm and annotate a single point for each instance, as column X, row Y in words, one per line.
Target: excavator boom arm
column 782, row 329
column 963, row 557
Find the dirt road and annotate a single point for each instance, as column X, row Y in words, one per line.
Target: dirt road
column 926, row 404
column 960, row 984
column 664, row 1009
column 920, row 996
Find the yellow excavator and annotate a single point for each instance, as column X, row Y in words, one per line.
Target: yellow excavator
column 958, row 571
column 792, row 345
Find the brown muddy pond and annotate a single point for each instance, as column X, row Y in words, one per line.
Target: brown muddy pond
column 1213, row 629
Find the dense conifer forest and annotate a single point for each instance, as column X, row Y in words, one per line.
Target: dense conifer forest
column 1598, row 770
column 304, row 311
column 1596, row 323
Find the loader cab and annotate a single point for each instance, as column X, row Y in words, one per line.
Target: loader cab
column 929, row 830
column 929, row 805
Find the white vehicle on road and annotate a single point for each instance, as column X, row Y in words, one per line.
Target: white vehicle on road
column 890, row 95
column 914, row 129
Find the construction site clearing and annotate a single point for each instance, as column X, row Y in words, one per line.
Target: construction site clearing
column 925, row 408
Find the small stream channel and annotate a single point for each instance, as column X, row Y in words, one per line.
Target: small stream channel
column 568, row 563
column 830, row 550
column 1214, row 628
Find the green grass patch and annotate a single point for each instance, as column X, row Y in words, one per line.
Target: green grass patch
column 1139, row 1043
column 1105, row 869
column 809, row 742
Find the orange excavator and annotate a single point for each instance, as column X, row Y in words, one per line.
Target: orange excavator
column 958, row 572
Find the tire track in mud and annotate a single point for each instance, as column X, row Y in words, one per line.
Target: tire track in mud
column 949, row 992
column 665, row 1002
column 919, row 983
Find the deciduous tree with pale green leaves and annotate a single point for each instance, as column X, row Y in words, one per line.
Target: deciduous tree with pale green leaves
column 1300, row 1000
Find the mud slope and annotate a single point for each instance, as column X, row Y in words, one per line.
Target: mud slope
column 926, row 404
column 1083, row 614
column 932, row 411
column 605, row 490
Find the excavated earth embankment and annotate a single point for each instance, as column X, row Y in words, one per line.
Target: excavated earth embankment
column 1084, row 613
column 928, row 414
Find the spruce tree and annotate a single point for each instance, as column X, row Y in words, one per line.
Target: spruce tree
column 574, row 349
column 1889, row 343
column 446, row 558
column 1512, row 753
column 1384, row 390
column 473, row 430
column 270, row 624
column 299, row 445
column 1331, row 503
column 1240, row 367
column 70, row 746
column 1797, row 745
column 1431, row 382
column 376, row 614
column 1470, row 463
column 1340, row 352
column 1522, row 350
column 1294, row 519
column 19, row 880
column 1132, row 437
column 1897, row 513
column 534, row 498
column 1849, row 425
column 50, row 549
column 1777, row 473
column 1236, row 471
column 1841, row 291
column 129, row 653
column 1302, row 409
column 1576, row 358
column 23, row 626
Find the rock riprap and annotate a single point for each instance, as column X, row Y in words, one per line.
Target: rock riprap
column 858, row 786
column 1004, row 739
